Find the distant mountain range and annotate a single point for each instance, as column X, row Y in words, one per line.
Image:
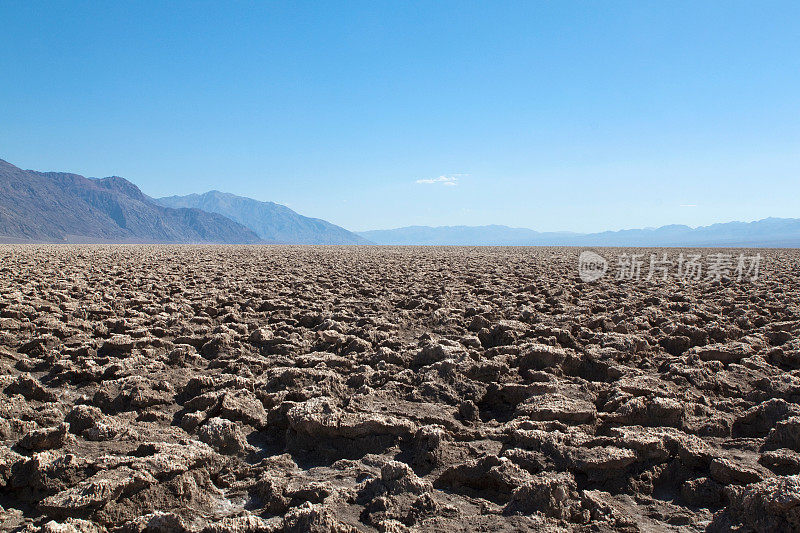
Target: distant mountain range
column 61, row 207
column 270, row 221
column 769, row 232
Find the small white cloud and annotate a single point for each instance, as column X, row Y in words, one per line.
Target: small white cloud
column 449, row 181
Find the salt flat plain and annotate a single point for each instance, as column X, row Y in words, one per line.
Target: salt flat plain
column 268, row 388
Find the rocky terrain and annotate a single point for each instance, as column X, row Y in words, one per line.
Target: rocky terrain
column 255, row 389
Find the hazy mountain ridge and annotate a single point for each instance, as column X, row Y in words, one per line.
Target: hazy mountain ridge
column 270, row 221
column 768, row 232
column 65, row 207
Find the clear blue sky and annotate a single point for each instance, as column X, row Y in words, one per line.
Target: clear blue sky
column 550, row 115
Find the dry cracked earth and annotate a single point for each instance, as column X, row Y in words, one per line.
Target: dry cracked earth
column 261, row 389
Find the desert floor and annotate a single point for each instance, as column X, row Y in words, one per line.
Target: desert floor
column 158, row 388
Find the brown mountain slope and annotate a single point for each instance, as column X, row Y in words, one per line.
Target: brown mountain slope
column 62, row 207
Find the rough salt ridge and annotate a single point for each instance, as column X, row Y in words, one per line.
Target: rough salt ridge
column 255, row 389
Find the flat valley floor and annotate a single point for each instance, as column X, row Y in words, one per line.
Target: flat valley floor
column 335, row 389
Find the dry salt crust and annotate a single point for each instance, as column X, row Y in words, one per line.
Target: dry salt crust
column 334, row 389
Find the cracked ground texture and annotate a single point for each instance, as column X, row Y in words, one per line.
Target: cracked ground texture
column 336, row 389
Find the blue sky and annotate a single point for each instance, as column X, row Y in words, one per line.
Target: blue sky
column 580, row 116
